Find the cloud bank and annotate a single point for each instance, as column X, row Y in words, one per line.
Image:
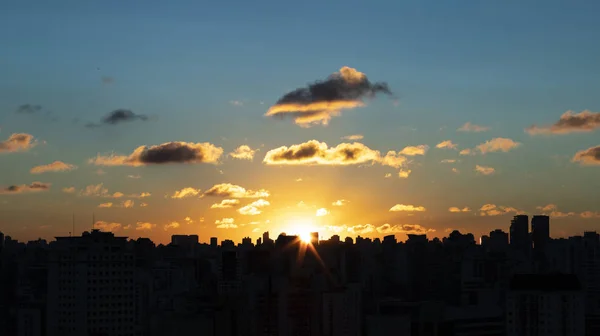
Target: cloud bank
column 569, row 122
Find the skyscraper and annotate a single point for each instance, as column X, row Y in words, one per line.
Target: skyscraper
column 519, row 233
column 314, row 238
column 540, row 231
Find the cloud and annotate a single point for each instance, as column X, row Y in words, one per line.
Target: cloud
column 455, row 170
column 409, row 208
column 484, row 170
column 314, row 152
column 569, row 122
column 243, row 152
column 226, row 203
column 236, row 103
column 448, row 161
column 468, row 127
column 100, row 172
column 172, row 225
column 387, row 175
column 496, row 210
column 320, row 101
column 117, row 194
column 29, row 108
column 118, row 116
column 144, row 226
column 106, row 226
column 140, row 195
column 414, row 150
column 552, row 211
column 455, row 209
column 353, row 137
column 169, row 152
column 186, row 192
column 322, row 212
column 447, row 144
column 143, row 205
column 25, row 188
column 105, row 205
column 127, row 204
column 498, row 145
column 68, row 190
column 253, row 208
column 234, row 191
column 56, row 166
column 17, row 142
column 588, row 157
column 361, row 229
column 590, row 214
column 339, row 203
column 466, row 151
column 225, row 223
column 299, row 179
column 404, row 228
column 392, row 159
column 404, row 173
column 134, row 176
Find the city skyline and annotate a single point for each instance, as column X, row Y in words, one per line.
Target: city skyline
column 176, row 121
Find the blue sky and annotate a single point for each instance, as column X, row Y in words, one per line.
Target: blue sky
column 502, row 64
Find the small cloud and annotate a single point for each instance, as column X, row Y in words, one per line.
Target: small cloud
column 484, row 170
column 569, row 122
column 29, row 108
column 466, row 151
column 25, row 188
column 127, row 204
column 236, row 103
column 552, row 211
column 299, row 179
column 455, row 170
column 94, row 190
column 468, row 127
column 254, row 207
column 134, row 176
column 107, row 226
column 172, row 225
column 498, row 145
column 590, row 214
column 455, row 209
column 17, row 142
column 117, row 117
column 144, row 226
column 117, row 194
column 188, row 220
column 404, row 173
column 100, row 172
column 322, row 100
column 448, row 161
column 234, row 191
column 56, row 166
column 496, row 210
column 414, row 150
column 68, row 190
column 226, row 223
column 407, row 207
column 186, row 192
column 166, row 153
column 353, row 137
column 143, row 205
column 588, row 157
column 339, row 203
column 322, row 212
column 105, row 205
column 226, row 203
column 447, row 144
column 243, row 152
column 140, row 195
column 387, row 175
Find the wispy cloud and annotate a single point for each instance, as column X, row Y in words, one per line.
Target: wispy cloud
column 322, row 100
column 226, row 223
column 17, row 142
column 236, row 103
column 68, row 190
column 468, row 127
column 353, row 137
column 322, row 212
column 448, row 161
column 25, row 188
column 456, row 209
column 407, row 207
column 29, row 108
column 166, row 153
column 105, row 205
column 144, row 226
column 484, row 170
column 107, row 226
column 569, row 122
column 170, row 226
column 339, row 203
column 496, row 210
column 253, row 208
column 234, row 191
column 56, row 166
column 226, row 203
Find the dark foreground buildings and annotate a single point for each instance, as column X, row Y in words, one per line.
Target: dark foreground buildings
column 522, row 283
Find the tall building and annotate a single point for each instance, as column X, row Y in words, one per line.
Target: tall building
column 314, row 238
column 91, row 286
column 545, row 304
column 214, row 242
column 519, row 234
column 540, row 231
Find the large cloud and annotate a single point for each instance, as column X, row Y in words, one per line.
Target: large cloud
column 569, row 122
column 319, row 102
column 234, row 191
column 590, row 156
column 17, row 142
column 169, row 152
column 56, row 166
column 24, row 188
column 119, row 116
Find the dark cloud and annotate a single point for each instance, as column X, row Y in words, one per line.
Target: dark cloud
column 170, row 152
column 22, row 188
column 319, row 102
column 569, row 122
column 29, row 108
column 314, row 152
column 17, row 142
column 590, row 156
column 118, row 116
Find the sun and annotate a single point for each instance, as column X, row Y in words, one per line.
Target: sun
column 302, row 228
column 305, row 237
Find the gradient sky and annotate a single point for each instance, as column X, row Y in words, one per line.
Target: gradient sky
column 208, row 73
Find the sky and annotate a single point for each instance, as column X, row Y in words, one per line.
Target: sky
column 150, row 118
